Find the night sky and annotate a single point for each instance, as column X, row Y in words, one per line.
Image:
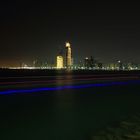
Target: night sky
column 38, row 30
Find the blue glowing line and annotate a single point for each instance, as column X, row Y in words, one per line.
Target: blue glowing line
column 69, row 87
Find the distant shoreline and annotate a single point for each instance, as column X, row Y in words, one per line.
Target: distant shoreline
column 46, row 72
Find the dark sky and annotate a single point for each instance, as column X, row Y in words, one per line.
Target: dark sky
column 37, row 30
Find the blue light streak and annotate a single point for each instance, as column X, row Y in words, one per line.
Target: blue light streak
column 116, row 83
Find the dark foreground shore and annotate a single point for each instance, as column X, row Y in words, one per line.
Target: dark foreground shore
column 128, row 129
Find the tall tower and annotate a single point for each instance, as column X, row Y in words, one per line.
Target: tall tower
column 68, row 55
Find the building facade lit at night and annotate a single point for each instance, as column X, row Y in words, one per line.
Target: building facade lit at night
column 60, row 62
column 68, row 55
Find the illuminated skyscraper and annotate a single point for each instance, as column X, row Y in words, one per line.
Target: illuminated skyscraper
column 68, row 55
column 59, row 62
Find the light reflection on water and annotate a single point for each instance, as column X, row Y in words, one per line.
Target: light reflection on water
column 71, row 114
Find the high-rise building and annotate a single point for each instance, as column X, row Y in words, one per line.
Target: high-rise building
column 59, row 62
column 68, row 55
column 87, row 62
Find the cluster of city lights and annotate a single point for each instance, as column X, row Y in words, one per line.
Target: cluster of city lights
column 65, row 61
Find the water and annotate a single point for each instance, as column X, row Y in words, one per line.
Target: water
column 70, row 114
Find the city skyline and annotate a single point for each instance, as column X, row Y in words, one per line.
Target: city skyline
column 107, row 31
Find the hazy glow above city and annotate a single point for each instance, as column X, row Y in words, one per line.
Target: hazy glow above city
column 37, row 31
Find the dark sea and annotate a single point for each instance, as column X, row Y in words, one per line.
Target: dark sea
column 68, row 114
